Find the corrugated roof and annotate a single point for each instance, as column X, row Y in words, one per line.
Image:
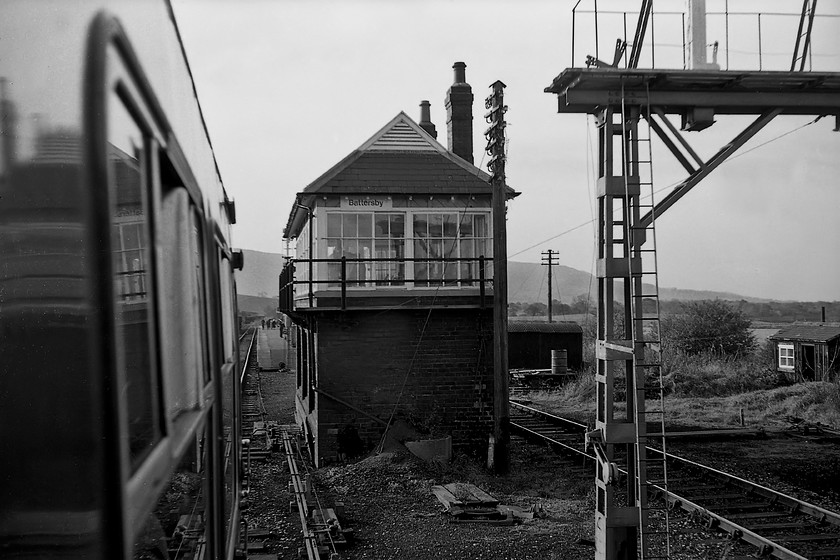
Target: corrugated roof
column 816, row 332
column 543, row 327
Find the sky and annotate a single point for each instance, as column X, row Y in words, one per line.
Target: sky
column 290, row 87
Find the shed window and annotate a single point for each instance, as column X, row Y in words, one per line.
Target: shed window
column 785, row 356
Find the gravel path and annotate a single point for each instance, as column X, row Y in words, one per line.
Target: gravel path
column 394, row 515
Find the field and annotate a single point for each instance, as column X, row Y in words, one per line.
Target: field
column 707, row 392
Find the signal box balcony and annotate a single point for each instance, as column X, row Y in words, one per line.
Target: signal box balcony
column 382, row 283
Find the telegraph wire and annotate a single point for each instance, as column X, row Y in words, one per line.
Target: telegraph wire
column 672, row 185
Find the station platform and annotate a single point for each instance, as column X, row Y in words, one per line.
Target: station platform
column 273, row 350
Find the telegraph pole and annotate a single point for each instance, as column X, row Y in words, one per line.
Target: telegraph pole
column 495, row 135
column 548, row 259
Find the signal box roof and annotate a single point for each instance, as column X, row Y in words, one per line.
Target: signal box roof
column 401, row 158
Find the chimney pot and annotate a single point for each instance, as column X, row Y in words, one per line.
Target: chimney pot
column 426, row 119
column 460, row 72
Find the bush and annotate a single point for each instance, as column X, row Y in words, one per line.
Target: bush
column 709, row 326
column 707, row 374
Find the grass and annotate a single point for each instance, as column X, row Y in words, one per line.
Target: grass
column 705, row 391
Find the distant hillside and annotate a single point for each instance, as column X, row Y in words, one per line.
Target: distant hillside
column 693, row 295
column 256, row 304
column 260, row 275
column 526, row 282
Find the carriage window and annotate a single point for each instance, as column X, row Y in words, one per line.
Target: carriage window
column 182, row 296
column 227, row 295
column 177, row 527
column 131, row 256
column 229, row 390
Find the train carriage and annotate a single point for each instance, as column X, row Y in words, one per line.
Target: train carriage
column 119, row 393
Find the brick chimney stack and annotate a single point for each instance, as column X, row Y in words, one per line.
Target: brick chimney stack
column 426, row 119
column 459, row 118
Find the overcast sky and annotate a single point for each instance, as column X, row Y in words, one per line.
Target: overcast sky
column 289, row 88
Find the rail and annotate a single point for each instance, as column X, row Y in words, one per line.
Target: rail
column 703, row 483
column 349, row 272
column 248, row 354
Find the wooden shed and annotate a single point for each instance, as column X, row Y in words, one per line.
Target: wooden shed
column 808, row 351
column 530, row 344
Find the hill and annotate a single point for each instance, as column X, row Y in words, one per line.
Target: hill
column 260, row 275
column 263, row 306
column 526, row 282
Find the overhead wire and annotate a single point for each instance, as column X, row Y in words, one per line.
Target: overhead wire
column 577, row 227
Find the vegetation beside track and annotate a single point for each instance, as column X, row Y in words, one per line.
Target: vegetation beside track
column 707, row 391
column 714, row 371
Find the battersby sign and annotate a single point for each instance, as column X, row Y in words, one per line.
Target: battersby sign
column 365, row 203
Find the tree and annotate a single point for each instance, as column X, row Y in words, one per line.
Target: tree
column 709, row 326
column 581, row 304
column 536, row 309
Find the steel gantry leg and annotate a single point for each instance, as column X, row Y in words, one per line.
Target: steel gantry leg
column 616, row 517
column 629, row 522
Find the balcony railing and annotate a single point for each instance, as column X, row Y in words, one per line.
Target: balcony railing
column 737, row 40
column 343, row 273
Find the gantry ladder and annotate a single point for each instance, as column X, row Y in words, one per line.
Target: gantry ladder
column 803, row 35
column 648, row 410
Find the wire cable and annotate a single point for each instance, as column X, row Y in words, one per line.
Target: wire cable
column 577, row 227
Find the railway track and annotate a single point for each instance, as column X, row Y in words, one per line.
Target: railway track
column 253, row 415
column 777, row 525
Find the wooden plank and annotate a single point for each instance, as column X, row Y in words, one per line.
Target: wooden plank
column 445, row 497
column 471, row 494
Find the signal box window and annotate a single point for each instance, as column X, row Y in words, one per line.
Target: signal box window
column 449, row 236
column 131, row 256
column 366, row 235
